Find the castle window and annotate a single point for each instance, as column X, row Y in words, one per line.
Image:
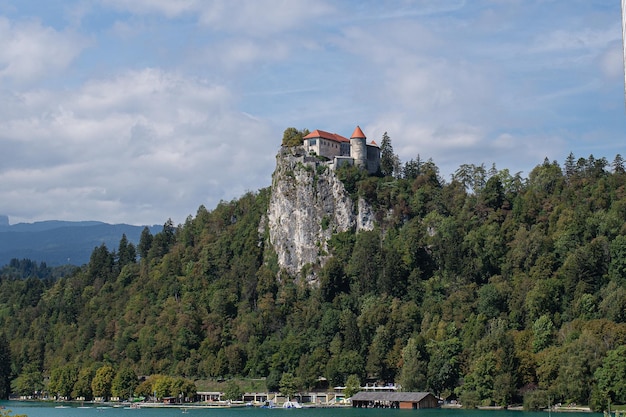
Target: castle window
column 312, row 142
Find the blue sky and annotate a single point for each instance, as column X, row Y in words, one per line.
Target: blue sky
column 139, row 111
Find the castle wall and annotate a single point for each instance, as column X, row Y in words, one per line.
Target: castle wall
column 373, row 159
column 340, row 161
column 323, row 147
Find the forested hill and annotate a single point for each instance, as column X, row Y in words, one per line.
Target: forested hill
column 492, row 286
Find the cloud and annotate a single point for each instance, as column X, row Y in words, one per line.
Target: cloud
column 261, row 17
column 169, row 8
column 612, row 61
column 29, row 50
column 149, row 107
column 565, row 39
column 131, row 147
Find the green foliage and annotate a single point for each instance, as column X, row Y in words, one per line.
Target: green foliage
column 289, row 384
column 124, row 383
column 353, row 385
column 492, row 286
column 62, row 381
column 5, row 367
column 536, row 400
column 414, row 366
column 29, row 382
column 166, row 386
column 145, row 242
column 102, row 381
column 611, row 376
column 233, row 391
column 543, row 329
column 293, row 136
column 444, row 364
column 389, row 161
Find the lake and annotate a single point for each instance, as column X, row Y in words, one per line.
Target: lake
column 33, row 409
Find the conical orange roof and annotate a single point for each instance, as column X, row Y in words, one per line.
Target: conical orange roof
column 358, row 134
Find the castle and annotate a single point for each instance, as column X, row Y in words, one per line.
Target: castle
column 340, row 150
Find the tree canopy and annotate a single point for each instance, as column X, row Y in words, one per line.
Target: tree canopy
column 293, row 136
column 492, row 287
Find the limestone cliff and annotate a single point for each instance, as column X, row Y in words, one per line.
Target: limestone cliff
column 308, row 203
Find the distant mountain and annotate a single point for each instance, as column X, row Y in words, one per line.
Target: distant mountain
column 62, row 242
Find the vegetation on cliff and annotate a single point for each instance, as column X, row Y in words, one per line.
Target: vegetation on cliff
column 491, row 286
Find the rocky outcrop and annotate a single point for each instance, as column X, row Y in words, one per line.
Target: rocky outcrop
column 308, row 204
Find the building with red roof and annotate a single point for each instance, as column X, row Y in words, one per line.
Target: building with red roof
column 340, row 150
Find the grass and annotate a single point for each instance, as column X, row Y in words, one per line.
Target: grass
column 246, row 384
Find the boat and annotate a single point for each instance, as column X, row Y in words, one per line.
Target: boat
column 269, row 404
column 292, row 404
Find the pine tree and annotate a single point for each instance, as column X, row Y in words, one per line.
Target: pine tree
column 145, row 242
column 389, row 161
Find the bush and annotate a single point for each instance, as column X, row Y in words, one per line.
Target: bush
column 536, row 400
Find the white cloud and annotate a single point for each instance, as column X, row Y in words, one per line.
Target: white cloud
column 185, row 101
column 148, row 139
column 612, row 61
column 260, row 17
column 566, row 39
column 169, row 8
column 29, row 50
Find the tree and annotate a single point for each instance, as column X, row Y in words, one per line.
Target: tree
column 536, row 400
column 333, row 280
column 29, row 382
column 293, row 136
column 611, row 376
column 145, row 242
column 444, row 365
column 162, row 386
column 101, row 383
column 82, row 387
column 412, row 169
column 233, row 391
column 163, row 241
column 414, row 367
column 353, row 385
column 618, row 164
column 493, row 193
column 100, row 264
column 288, row 385
column 542, row 329
column 389, row 161
column 5, row 367
column 124, row 383
column 126, row 252
column 62, row 381
column 272, row 382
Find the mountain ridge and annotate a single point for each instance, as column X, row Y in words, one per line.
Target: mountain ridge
column 59, row 242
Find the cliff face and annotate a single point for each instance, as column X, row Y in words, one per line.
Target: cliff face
column 308, row 204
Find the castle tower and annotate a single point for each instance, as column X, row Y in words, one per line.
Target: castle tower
column 358, row 149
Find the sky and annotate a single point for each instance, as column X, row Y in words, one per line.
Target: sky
column 141, row 111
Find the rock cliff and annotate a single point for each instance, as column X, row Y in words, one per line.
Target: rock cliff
column 308, row 204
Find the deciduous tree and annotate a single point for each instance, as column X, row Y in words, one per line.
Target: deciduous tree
column 101, row 383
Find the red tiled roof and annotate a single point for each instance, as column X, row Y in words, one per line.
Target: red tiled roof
column 326, row 135
column 358, row 134
column 372, row 143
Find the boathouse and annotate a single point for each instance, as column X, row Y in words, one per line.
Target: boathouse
column 407, row 400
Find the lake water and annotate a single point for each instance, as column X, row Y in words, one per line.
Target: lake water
column 33, row 409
